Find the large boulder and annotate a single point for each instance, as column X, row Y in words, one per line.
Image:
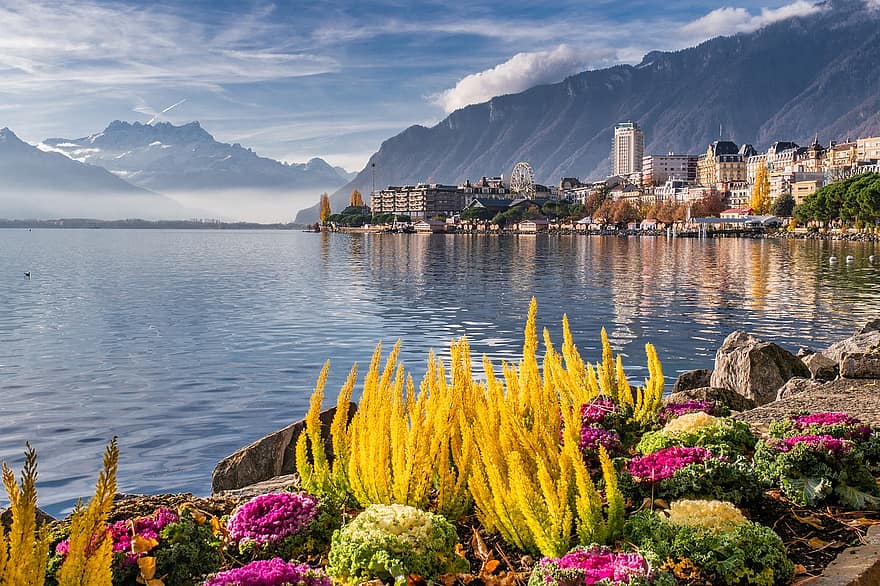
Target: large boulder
column 271, row 456
column 692, row 379
column 730, row 399
column 865, row 340
column 860, row 365
column 754, row 368
column 821, row 367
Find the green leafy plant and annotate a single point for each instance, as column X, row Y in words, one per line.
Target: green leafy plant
column 736, row 554
column 721, row 435
column 390, row 542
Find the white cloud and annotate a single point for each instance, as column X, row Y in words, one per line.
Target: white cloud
column 46, row 44
column 873, row 4
column 729, row 20
column 520, row 72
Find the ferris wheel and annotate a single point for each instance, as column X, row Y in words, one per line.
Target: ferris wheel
column 522, row 180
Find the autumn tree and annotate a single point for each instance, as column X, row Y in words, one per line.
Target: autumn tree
column 325, row 212
column 357, row 199
column 760, row 202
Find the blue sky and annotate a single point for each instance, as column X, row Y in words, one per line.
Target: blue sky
column 332, row 79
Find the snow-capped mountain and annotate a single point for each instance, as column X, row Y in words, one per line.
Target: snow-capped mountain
column 38, row 184
column 168, row 158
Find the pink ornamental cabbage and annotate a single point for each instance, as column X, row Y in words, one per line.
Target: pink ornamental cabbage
column 598, row 564
column 834, row 446
column 274, row 572
column 593, row 437
column 270, row 518
column 825, row 418
column 664, row 463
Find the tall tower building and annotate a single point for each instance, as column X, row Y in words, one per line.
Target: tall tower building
column 628, row 148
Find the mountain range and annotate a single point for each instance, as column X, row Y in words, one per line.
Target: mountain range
column 167, row 158
column 175, row 172
column 42, row 184
column 787, row 81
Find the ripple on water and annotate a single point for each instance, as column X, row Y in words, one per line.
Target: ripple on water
column 188, row 345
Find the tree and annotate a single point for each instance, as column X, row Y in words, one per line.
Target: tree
column 782, row 205
column 711, row 204
column 477, row 214
column 760, row 201
column 357, row 199
column 324, row 212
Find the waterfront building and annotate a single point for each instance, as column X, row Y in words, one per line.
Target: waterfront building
column 423, row 200
column 628, row 149
column 739, row 194
column 841, row 159
column 869, row 150
column 801, row 189
column 722, row 163
column 656, row 169
column 673, row 190
column 430, row 226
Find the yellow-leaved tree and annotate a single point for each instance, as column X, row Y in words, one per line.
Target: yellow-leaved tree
column 760, row 201
column 357, row 200
column 324, row 211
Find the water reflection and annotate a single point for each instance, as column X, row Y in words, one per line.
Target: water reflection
column 190, row 344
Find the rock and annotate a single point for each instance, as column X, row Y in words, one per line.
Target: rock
column 130, row 506
column 692, row 379
column 730, row 399
column 863, row 341
column 796, row 386
column 271, row 456
column 277, row 484
column 804, row 351
column 821, row 367
column 754, row 368
column 42, row 517
column 860, row 365
column 871, row 326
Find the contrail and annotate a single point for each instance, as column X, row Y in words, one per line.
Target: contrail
column 156, row 116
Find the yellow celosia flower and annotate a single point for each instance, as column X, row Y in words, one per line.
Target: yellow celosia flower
column 691, row 423
column 712, row 515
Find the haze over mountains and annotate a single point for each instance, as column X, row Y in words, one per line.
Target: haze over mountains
column 199, row 175
column 787, row 81
column 40, row 184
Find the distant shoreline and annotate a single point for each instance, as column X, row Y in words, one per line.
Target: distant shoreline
column 137, row 224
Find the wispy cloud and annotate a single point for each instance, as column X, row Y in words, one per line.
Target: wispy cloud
column 520, row 72
column 729, row 20
column 45, row 44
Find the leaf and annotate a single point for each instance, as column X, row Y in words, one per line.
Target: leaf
column 856, row 499
column 862, row 522
column 816, row 543
column 799, row 570
column 147, row 567
column 490, row 566
column 480, row 547
column 415, row 580
column 810, row 520
column 141, row 544
column 661, row 504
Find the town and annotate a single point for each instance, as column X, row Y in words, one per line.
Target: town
column 727, row 185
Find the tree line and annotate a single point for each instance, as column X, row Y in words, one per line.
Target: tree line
column 852, row 201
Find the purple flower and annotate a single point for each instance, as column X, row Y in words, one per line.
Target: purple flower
column 593, row 437
column 672, row 410
column 664, row 463
column 274, row 572
column 598, row 563
column 270, row 518
column 597, row 410
column 826, row 443
column 122, row 533
column 841, row 425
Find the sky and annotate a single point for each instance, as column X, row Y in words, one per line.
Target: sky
column 330, row 79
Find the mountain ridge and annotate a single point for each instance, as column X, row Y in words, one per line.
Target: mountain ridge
column 759, row 87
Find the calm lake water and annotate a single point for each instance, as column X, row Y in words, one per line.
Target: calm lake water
column 189, row 345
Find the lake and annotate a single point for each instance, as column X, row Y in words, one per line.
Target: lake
column 191, row 344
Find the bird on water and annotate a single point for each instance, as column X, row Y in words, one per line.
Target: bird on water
column 27, row 275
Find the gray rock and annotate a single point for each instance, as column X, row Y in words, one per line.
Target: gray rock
column 796, row 386
column 42, row 517
column 692, row 379
column 730, row 399
column 804, row 351
column 754, row 368
column 863, row 341
column 821, row 367
column 871, row 326
column 277, row 484
column 860, row 365
column 271, row 456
